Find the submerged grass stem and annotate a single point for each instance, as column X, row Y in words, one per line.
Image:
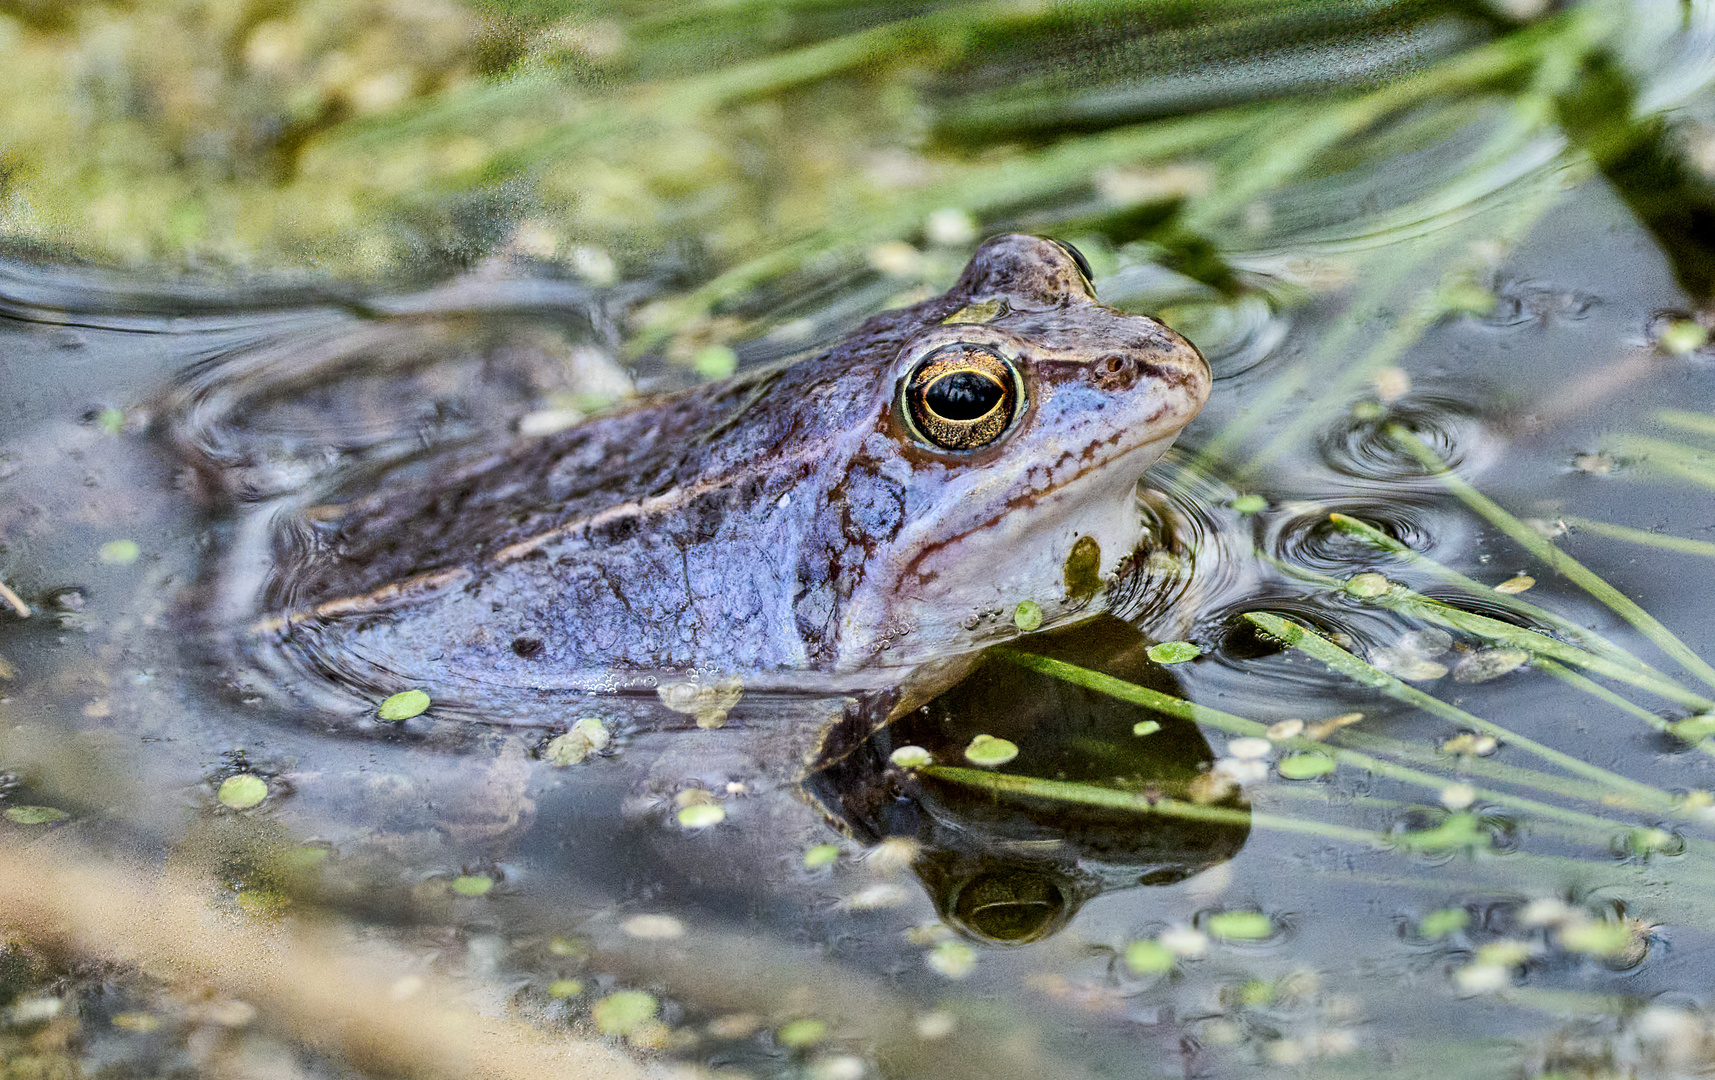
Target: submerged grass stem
column 1343, row 662
column 1562, row 563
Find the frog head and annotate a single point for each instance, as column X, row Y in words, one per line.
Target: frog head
column 1011, row 428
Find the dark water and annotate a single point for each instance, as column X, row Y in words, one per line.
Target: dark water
column 954, row 932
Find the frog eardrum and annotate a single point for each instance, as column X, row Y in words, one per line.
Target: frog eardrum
column 961, row 396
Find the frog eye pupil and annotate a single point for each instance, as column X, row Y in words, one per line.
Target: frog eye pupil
column 963, row 395
column 960, row 397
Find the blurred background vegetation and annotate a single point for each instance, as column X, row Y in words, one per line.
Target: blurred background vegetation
column 746, row 152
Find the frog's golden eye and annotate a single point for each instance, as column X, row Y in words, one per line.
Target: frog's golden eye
column 961, row 397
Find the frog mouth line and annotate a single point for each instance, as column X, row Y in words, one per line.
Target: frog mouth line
column 1018, row 501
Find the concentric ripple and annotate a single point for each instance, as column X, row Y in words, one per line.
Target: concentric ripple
column 1305, row 534
column 1363, row 444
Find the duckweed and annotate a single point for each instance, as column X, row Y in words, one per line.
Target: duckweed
column 801, row 1033
column 587, row 736
column 1682, row 336
column 560, row 989
column 1368, row 586
column 911, row 757
column 1596, row 938
column 1306, row 766
column 1240, row 925
column 1173, row 652
column 1460, row 830
column 702, row 815
column 821, row 855
column 623, row 1012
column 1149, row 957
column 34, row 815
column 472, row 884
column 403, row 706
column 242, row 791
column 715, row 361
column 954, row 959
column 990, row 752
column 119, row 552
column 1027, row 616
column 1443, row 921
column 1146, row 727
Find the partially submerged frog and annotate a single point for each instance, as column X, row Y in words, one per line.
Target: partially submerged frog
column 824, row 524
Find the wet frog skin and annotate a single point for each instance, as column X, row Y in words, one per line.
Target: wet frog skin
column 826, row 523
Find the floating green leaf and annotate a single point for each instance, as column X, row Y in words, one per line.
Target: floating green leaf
column 403, row 706
column 1239, row 925
column 801, row 1033
column 1443, row 921
column 989, row 752
column 1173, row 652
column 619, row 1013
column 119, row 552
column 1027, row 616
column 1149, row 957
column 820, row 855
column 34, row 815
column 565, row 988
column 1250, row 504
column 472, row 884
column 242, row 791
column 1305, row 766
column 910, row 757
column 702, row 815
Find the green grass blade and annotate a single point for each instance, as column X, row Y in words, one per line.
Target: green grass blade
column 1344, row 756
column 1555, row 559
column 1112, row 799
column 1701, row 423
column 1644, row 536
column 1343, row 662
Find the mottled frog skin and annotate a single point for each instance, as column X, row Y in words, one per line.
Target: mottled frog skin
column 824, row 523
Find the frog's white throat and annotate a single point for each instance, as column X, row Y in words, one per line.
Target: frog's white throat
column 924, row 600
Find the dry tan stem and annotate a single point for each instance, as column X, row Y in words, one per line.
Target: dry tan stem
column 15, row 600
column 312, row 981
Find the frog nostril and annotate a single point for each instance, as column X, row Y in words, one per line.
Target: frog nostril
column 1115, row 372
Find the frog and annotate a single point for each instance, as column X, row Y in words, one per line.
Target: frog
column 828, row 522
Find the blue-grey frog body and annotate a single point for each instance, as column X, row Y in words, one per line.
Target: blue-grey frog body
column 827, row 523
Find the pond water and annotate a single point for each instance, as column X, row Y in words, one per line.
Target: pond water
column 1462, row 402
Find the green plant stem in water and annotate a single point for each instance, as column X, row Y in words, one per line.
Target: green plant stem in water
column 1343, row 662
column 1701, row 423
column 1673, row 459
column 1597, row 690
column 1173, row 706
column 1643, row 536
column 1468, row 768
column 1557, row 560
column 1628, row 670
column 1586, row 637
column 1112, row 799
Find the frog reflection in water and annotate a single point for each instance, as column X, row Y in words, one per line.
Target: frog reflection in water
column 826, row 524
